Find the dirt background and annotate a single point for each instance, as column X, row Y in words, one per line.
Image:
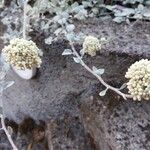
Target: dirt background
column 61, row 106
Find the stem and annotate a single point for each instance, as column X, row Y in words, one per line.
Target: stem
column 49, row 137
column 7, row 134
column 125, row 96
column 24, row 18
column 4, row 126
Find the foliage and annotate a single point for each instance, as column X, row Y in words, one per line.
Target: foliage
column 52, row 17
column 97, row 72
column 56, row 17
column 1, row 3
column 130, row 9
column 4, row 67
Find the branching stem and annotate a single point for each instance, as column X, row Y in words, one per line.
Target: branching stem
column 4, row 127
column 125, row 96
column 7, row 134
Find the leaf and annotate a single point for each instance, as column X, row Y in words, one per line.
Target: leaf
column 3, row 64
column 109, row 7
column 82, row 52
column 119, row 19
column 146, row 14
column 49, row 40
column 103, row 93
column 67, row 52
column 125, row 12
column 62, row 21
column 86, row 4
column 1, row 110
column 58, row 31
column 70, row 27
column 79, row 37
column 5, row 85
column 138, row 16
column 70, row 37
column 98, row 71
column 140, row 7
column 2, row 75
column 123, row 86
column 103, row 39
column 77, row 60
column 10, row 130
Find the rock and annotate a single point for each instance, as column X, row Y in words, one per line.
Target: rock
column 132, row 39
column 58, row 82
column 63, row 91
column 64, row 94
column 116, row 124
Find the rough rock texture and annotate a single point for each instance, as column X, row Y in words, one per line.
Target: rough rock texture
column 132, row 39
column 123, row 124
column 66, row 96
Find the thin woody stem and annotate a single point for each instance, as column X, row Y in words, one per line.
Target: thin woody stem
column 125, row 96
column 24, row 18
column 4, row 126
column 7, row 134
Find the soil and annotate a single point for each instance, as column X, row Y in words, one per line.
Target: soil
column 61, row 106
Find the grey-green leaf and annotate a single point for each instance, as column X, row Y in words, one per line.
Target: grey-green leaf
column 70, row 37
column 103, row 93
column 82, row 52
column 1, row 110
column 123, row 86
column 146, row 14
column 119, row 19
column 98, row 71
column 70, row 27
column 77, row 60
column 67, row 52
column 6, row 85
column 10, row 130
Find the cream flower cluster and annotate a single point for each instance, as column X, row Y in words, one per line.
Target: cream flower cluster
column 139, row 83
column 22, row 54
column 91, row 45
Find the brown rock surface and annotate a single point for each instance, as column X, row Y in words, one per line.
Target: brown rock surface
column 66, row 95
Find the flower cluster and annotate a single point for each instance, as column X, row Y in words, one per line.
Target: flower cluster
column 91, row 45
column 22, row 54
column 139, row 83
